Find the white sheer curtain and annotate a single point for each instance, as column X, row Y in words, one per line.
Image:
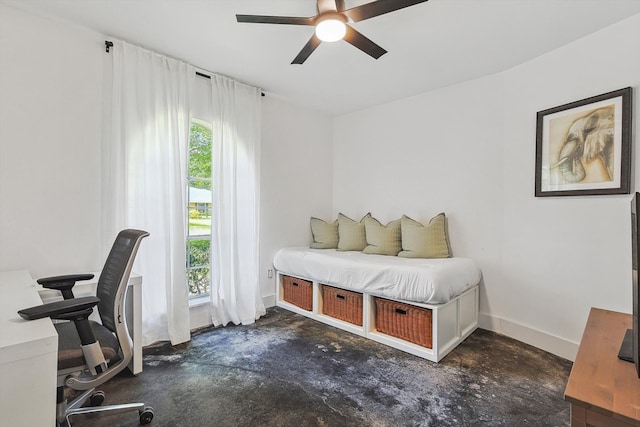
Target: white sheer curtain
column 144, row 180
column 235, row 290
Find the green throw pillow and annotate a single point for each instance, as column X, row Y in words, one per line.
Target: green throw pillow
column 351, row 233
column 325, row 234
column 419, row 241
column 382, row 239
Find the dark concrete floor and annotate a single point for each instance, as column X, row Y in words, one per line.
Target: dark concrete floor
column 286, row 370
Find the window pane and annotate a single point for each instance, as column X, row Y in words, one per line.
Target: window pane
column 199, row 151
column 198, row 266
column 198, row 253
column 199, row 208
column 198, row 281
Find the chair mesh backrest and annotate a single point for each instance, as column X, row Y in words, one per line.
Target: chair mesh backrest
column 115, row 274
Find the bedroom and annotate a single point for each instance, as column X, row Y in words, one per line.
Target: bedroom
column 471, row 145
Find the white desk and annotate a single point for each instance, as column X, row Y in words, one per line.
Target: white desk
column 28, row 356
column 133, row 310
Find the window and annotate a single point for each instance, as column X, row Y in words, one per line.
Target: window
column 199, row 210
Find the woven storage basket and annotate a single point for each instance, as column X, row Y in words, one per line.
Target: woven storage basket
column 341, row 304
column 297, row 292
column 404, row 321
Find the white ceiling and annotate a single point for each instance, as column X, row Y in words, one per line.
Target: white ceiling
column 430, row 45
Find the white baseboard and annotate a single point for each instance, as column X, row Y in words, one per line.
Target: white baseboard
column 269, row 301
column 200, row 315
column 542, row 340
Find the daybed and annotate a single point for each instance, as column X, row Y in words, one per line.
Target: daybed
column 422, row 306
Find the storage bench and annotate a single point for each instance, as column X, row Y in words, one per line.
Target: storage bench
column 429, row 331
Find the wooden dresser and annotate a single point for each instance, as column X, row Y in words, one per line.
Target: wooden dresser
column 603, row 390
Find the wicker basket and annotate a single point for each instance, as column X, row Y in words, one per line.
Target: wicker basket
column 341, row 304
column 297, row 292
column 404, row 321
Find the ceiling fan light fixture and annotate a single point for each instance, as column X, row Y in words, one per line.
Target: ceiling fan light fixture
column 331, row 29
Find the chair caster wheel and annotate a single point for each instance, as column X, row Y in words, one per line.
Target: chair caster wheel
column 97, row 398
column 146, row 415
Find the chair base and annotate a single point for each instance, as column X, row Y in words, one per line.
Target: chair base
column 65, row 411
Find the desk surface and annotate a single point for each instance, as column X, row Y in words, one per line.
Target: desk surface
column 18, row 291
column 599, row 380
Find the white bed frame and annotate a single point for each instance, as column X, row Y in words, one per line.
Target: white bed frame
column 452, row 322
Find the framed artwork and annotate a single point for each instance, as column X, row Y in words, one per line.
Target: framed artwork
column 584, row 148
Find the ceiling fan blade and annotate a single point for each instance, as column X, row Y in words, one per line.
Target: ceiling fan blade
column 376, row 8
column 364, row 44
column 307, row 50
column 339, row 5
column 261, row 19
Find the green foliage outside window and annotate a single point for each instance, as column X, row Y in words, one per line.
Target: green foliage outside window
column 199, row 253
column 200, row 155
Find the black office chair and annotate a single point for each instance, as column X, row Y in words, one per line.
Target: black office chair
column 91, row 353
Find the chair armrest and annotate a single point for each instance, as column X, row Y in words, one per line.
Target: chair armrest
column 64, row 284
column 59, row 308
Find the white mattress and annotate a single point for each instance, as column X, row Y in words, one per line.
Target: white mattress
column 432, row 281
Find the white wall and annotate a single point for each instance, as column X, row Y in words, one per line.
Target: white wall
column 296, row 180
column 563, row 255
column 469, row 150
column 431, row 153
column 50, row 112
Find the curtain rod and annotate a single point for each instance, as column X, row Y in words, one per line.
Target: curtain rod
column 109, row 44
column 198, row 73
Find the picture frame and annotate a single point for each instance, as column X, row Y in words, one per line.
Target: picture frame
column 584, row 147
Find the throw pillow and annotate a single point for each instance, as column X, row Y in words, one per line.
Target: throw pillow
column 325, row 234
column 419, row 241
column 382, row 239
column 351, row 234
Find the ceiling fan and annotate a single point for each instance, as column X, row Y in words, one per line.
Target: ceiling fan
column 332, row 24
